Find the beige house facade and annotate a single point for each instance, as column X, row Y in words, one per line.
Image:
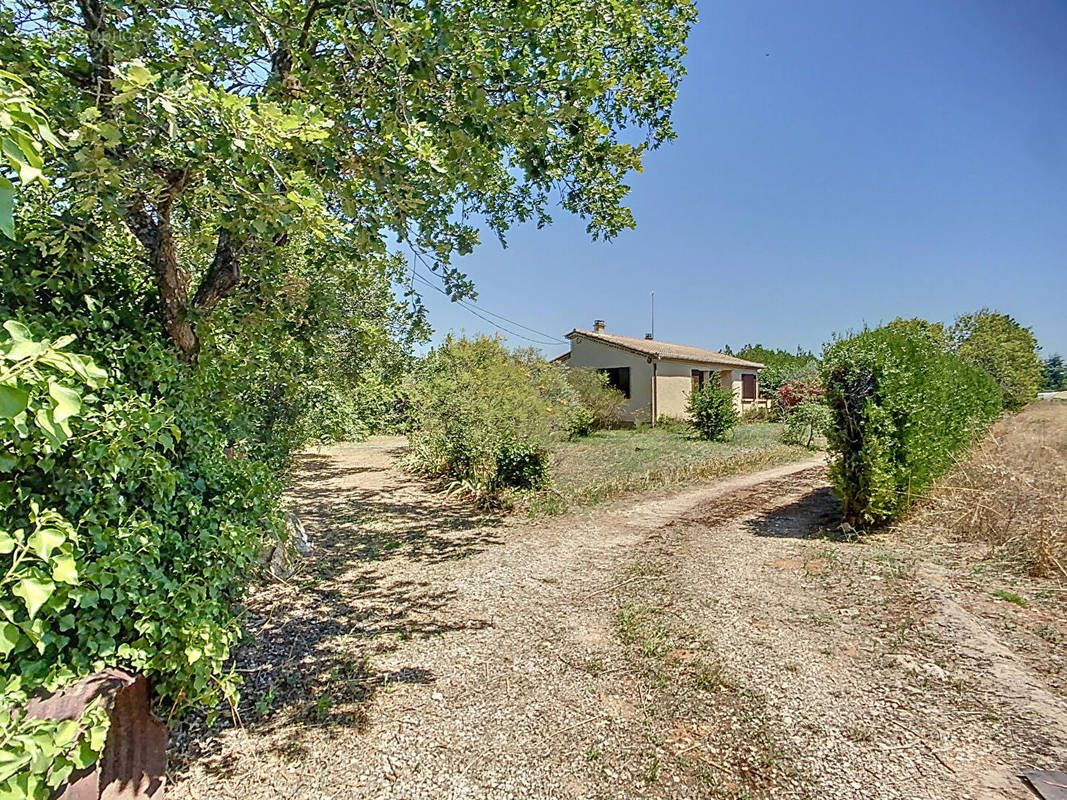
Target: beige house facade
column 657, row 377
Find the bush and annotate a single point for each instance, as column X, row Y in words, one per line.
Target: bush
column 807, row 420
column 486, row 417
column 583, row 423
column 520, row 465
column 712, row 412
column 600, row 404
column 901, row 409
column 806, row 388
column 1003, row 348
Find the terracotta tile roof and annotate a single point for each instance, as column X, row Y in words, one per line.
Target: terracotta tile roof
column 658, row 349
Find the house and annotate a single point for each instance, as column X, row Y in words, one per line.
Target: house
column 656, row 376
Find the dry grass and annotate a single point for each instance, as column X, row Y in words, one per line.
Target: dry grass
column 1011, row 491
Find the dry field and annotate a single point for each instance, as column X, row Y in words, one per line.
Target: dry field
column 1011, row 492
column 721, row 641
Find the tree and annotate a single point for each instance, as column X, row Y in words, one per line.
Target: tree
column 1003, row 348
column 209, row 132
column 780, row 366
column 1054, row 374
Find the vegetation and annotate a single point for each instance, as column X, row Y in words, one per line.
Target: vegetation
column 1003, row 348
column 780, row 366
column 901, row 410
column 806, row 421
column 485, row 417
column 1054, row 374
column 212, row 224
column 611, row 463
column 1008, row 493
column 712, row 412
column 806, row 388
column 601, row 405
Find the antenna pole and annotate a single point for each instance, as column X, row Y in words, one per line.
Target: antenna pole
column 653, row 331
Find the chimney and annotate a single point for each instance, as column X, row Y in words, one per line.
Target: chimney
column 598, row 325
column 648, row 336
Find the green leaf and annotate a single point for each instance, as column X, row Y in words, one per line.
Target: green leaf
column 44, row 541
column 13, row 401
column 194, row 654
column 64, row 570
column 28, row 174
column 57, row 432
column 67, row 401
column 34, row 592
column 139, row 75
column 7, row 208
column 18, row 331
column 9, row 637
column 7, row 461
column 20, row 349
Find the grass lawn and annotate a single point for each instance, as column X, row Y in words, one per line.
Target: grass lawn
column 611, row 463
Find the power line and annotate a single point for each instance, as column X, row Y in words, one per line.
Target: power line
column 479, row 312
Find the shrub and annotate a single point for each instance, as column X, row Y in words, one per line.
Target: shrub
column 806, row 388
column 484, row 416
column 1003, row 348
column 712, row 412
column 520, row 465
column 901, row 409
column 583, row 422
column 142, row 531
column 600, row 404
column 807, row 420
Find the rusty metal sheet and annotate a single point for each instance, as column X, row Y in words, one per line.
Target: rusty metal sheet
column 134, row 760
column 1049, row 783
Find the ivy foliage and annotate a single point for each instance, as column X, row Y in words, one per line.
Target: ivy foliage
column 41, row 405
column 24, row 137
column 901, row 409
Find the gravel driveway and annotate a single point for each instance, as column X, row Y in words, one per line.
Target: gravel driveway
column 705, row 643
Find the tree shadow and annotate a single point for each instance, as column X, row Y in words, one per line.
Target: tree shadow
column 420, row 525
column 811, row 516
column 309, row 640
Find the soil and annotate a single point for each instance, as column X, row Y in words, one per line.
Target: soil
column 722, row 641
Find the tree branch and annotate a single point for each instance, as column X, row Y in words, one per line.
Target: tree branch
column 224, row 274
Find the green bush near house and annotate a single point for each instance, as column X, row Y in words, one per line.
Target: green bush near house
column 485, row 416
column 807, row 420
column 901, row 409
column 601, row 405
column 712, row 412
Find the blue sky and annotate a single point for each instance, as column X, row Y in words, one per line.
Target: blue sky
column 837, row 163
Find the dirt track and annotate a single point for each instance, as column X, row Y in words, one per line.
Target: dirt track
column 702, row 644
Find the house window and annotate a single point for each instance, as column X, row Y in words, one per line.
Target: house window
column 698, row 380
column 748, row 387
column 618, row 378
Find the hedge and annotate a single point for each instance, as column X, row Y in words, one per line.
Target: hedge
column 902, row 408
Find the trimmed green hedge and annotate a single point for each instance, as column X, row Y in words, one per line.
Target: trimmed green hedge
column 901, row 408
